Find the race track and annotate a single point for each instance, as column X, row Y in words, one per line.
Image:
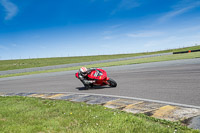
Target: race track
column 170, row 81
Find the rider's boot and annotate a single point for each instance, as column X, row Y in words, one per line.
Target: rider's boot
column 91, row 85
column 86, row 86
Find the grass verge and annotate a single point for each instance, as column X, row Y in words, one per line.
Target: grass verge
column 24, row 114
column 40, row 62
column 117, row 63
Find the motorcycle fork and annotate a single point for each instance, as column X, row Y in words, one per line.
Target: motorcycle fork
column 106, row 81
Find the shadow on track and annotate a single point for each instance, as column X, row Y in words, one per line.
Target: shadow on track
column 93, row 88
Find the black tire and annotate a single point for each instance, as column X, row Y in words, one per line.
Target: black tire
column 112, row 83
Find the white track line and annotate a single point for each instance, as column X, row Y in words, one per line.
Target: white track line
column 134, row 98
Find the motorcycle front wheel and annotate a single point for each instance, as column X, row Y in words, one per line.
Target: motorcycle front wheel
column 112, row 83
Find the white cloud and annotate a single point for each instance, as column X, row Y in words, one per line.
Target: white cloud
column 115, row 26
column 108, row 37
column 111, row 32
column 160, row 42
column 146, row 34
column 14, row 45
column 43, row 47
column 126, row 5
column 179, row 9
column 111, row 29
column 190, row 29
column 3, row 47
column 10, row 8
column 172, row 42
column 107, row 32
column 174, row 13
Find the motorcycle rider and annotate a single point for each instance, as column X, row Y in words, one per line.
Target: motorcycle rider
column 88, row 76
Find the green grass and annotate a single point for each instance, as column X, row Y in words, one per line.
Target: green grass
column 117, row 63
column 23, row 114
column 30, row 63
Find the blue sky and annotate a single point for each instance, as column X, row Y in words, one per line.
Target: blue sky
column 60, row 28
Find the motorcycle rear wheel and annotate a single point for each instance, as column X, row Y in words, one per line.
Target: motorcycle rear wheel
column 112, row 83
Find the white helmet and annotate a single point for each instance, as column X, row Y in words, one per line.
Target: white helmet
column 83, row 70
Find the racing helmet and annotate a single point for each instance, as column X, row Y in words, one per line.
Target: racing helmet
column 83, row 71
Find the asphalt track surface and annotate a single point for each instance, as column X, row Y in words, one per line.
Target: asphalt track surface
column 170, row 81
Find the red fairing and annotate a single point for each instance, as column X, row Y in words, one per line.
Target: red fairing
column 107, row 78
column 76, row 75
column 104, row 74
column 91, row 75
column 100, row 78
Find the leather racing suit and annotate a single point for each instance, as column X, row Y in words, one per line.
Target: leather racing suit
column 89, row 78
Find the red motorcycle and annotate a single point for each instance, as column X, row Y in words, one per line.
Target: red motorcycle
column 101, row 79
